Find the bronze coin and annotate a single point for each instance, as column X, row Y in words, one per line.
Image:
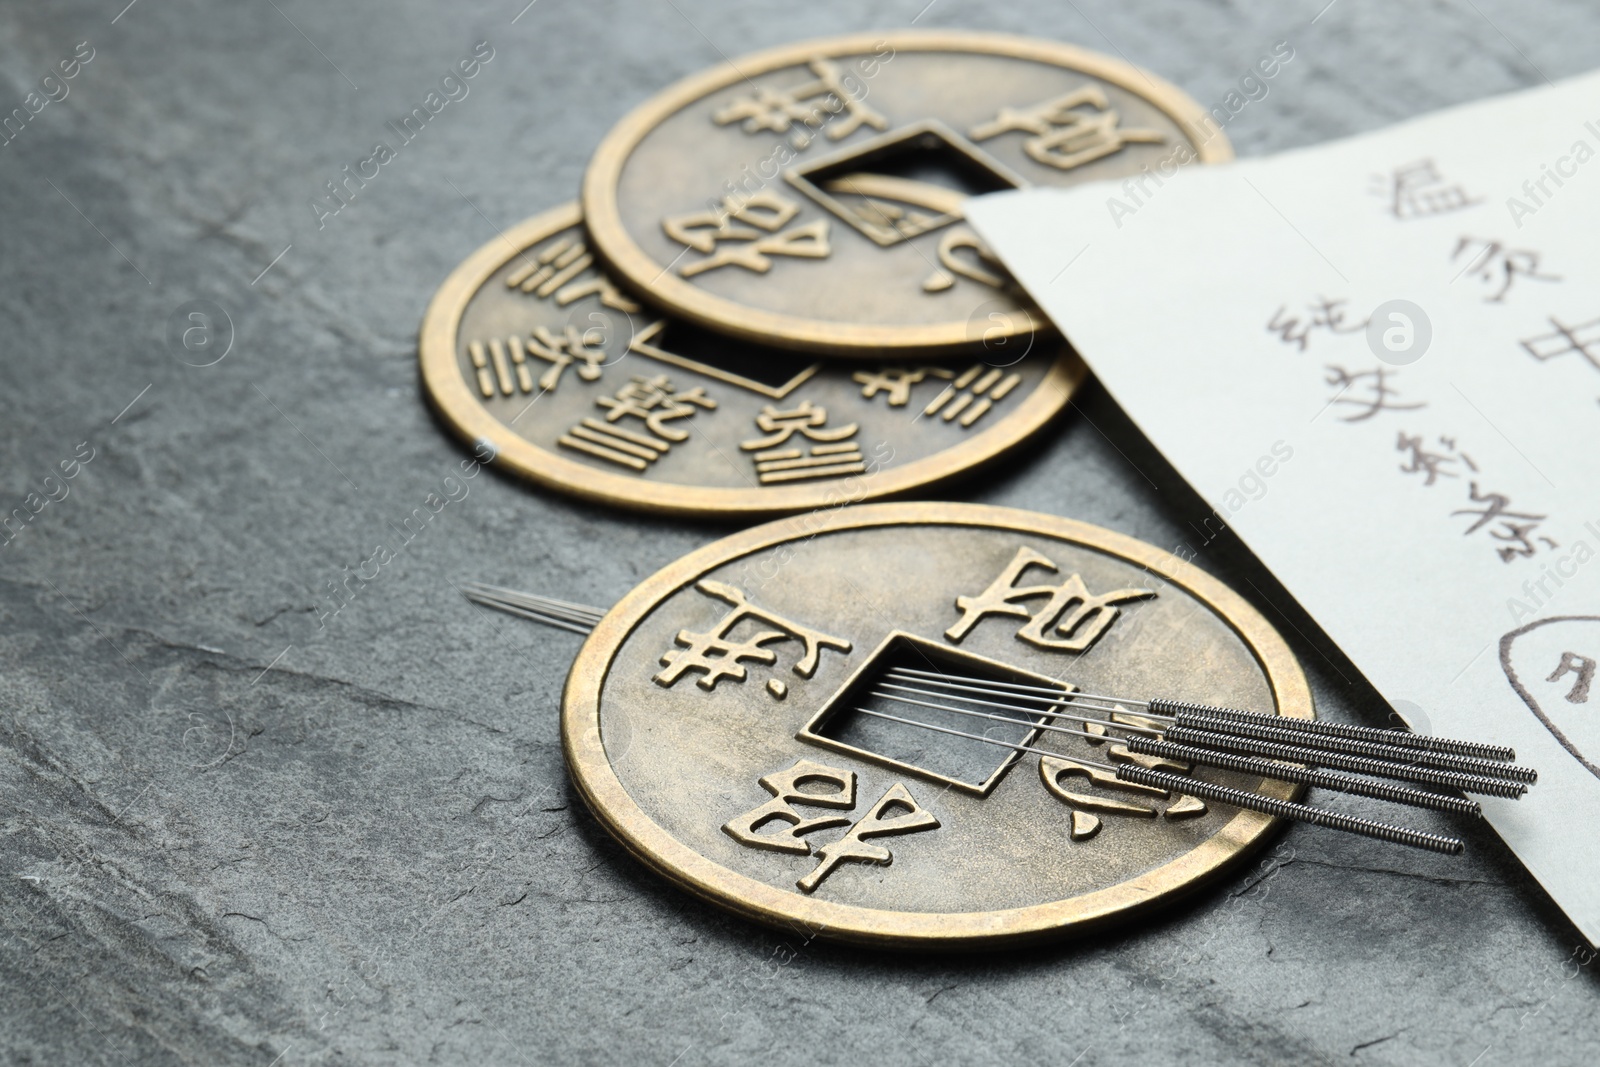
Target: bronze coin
column 740, row 678
column 531, row 350
column 810, row 196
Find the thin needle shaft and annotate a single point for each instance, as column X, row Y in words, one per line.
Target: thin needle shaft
column 559, row 613
column 548, row 620
column 1058, row 696
column 1188, row 714
column 1472, row 776
column 1015, row 686
column 1342, row 783
column 562, row 614
column 1226, row 794
column 993, row 717
column 979, row 737
column 880, row 691
column 512, row 596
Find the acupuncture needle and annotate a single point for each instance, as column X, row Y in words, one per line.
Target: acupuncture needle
column 1177, row 783
column 533, row 600
column 1268, row 728
column 579, row 618
column 548, row 620
column 1399, row 765
column 1402, row 738
column 1305, row 776
column 538, row 611
column 1484, row 768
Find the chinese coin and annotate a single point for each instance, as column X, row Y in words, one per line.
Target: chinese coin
column 531, row 353
column 775, row 756
column 810, row 196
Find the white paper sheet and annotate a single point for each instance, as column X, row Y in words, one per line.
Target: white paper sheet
column 1439, row 518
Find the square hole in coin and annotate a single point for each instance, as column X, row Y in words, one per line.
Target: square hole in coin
column 903, row 184
column 767, row 372
column 964, row 763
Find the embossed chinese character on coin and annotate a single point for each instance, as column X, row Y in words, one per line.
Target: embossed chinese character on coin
column 528, row 346
column 772, row 764
column 810, row 196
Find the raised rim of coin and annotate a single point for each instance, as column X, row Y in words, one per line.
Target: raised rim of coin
column 464, row 413
column 639, row 272
column 607, row 797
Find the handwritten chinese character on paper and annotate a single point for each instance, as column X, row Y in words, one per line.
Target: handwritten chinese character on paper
column 1370, row 392
column 1417, row 190
column 1582, row 339
column 1515, row 528
column 1430, row 464
column 1497, row 266
column 1329, row 315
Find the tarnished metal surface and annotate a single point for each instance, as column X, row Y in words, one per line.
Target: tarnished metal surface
column 574, row 384
column 708, row 721
column 810, row 195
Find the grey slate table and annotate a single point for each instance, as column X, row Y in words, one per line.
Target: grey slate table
column 233, row 834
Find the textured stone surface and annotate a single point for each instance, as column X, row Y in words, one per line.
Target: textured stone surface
column 368, row 853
